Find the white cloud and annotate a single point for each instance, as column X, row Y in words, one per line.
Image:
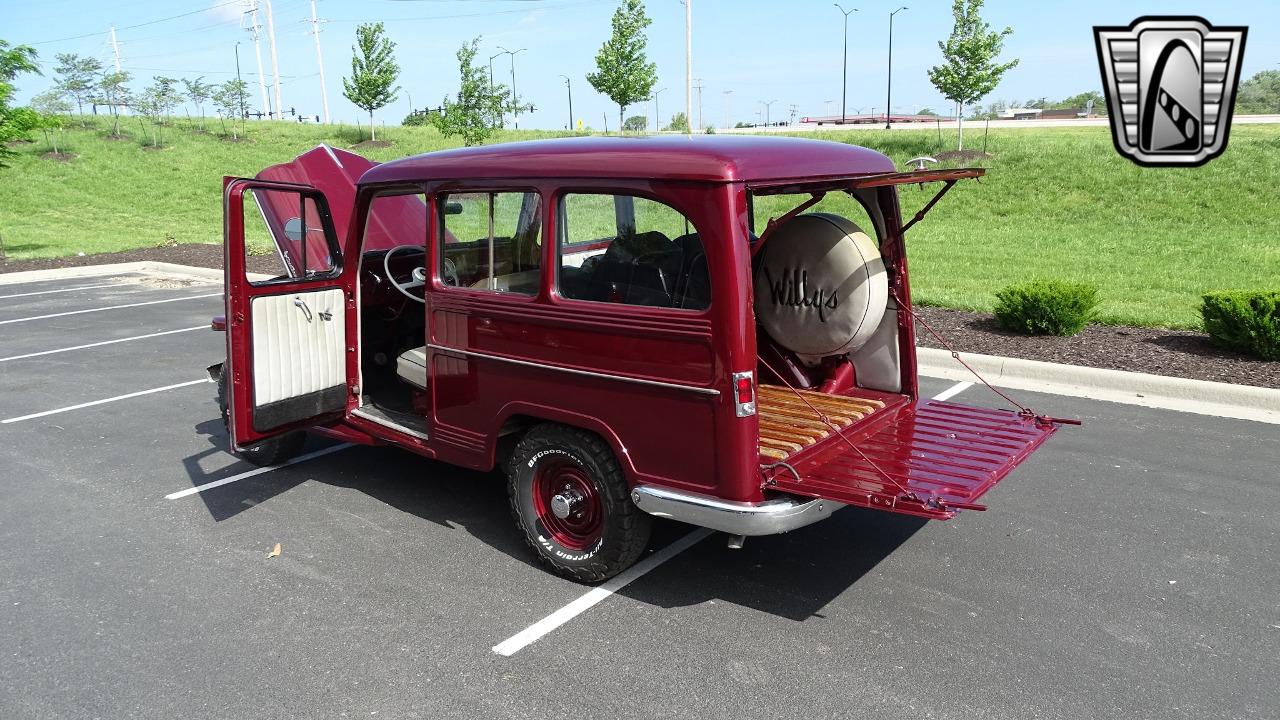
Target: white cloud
column 531, row 18
column 222, row 10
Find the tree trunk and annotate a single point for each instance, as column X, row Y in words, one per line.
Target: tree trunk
column 372, row 132
column 960, row 124
column 622, row 128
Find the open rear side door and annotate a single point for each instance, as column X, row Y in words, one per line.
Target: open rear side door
column 291, row 339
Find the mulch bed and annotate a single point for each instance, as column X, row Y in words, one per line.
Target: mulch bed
column 1177, row 353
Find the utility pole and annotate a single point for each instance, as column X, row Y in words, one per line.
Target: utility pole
column 888, row 97
column 515, row 121
column 324, row 93
column 793, row 111
column 115, row 47
column 727, row 116
column 844, row 74
column 698, row 87
column 688, row 65
column 826, row 107
column 569, row 87
column 657, row 119
column 275, row 62
column 256, row 31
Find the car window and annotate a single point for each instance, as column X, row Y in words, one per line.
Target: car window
column 287, row 225
column 621, row 248
column 491, row 241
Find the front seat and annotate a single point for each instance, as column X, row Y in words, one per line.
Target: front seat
column 411, row 366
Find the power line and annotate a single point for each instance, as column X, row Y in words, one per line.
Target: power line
column 143, row 24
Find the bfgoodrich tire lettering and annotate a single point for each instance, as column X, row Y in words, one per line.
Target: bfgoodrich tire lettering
column 556, row 467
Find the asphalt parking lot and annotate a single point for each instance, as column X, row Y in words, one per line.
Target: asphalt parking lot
column 1127, row 570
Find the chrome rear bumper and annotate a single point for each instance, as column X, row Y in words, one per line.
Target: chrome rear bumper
column 737, row 518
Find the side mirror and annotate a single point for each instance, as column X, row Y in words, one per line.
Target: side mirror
column 453, row 208
column 293, row 229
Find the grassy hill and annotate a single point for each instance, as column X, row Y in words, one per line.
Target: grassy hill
column 1058, row 203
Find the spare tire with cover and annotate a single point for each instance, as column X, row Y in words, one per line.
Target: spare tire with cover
column 820, row 286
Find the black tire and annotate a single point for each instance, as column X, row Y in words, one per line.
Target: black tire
column 623, row 531
column 272, row 451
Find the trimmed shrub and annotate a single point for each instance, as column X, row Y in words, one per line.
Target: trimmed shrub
column 1247, row 322
column 1046, row 307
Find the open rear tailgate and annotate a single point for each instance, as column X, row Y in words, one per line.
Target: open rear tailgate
column 945, row 454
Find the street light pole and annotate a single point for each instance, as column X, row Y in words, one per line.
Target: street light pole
column 502, row 119
column 888, row 113
column 727, row 115
column 657, row 118
column 514, row 101
column 767, row 105
column 570, row 89
column 239, row 82
column 844, row 73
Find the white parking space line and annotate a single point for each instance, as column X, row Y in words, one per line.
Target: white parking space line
column 69, row 408
column 256, row 471
column 104, row 342
column 62, row 290
column 953, row 391
column 531, row 634
column 109, row 307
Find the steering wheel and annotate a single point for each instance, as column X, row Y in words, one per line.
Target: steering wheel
column 417, row 278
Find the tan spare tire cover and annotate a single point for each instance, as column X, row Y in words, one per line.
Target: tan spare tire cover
column 821, row 288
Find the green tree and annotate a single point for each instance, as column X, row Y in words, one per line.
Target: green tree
column 77, row 77
column 52, row 105
column 970, row 70
column 679, row 123
column 15, row 123
column 113, row 91
column 198, row 92
column 156, row 102
column 624, row 74
column 477, row 111
column 1260, row 94
column 636, row 123
column 1082, row 100
column 372, row 84
column 228, row 98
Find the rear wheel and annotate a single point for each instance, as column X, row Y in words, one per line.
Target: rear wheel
column 272, row 451
column 571, row 500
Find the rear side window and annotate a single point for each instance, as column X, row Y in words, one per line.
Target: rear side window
column 619, row 248
column 491, row 241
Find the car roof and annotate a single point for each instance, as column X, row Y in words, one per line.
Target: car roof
column 706, row 158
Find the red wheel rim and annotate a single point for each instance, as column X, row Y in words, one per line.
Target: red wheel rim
column 567, row 504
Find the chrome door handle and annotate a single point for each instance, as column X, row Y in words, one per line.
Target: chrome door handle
column 302, row 305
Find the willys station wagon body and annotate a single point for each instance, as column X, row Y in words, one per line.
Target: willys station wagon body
column 612, row 322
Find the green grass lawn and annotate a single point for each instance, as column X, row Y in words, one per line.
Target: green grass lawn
column 1058, row 203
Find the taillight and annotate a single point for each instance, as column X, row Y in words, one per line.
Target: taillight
column 744, row 394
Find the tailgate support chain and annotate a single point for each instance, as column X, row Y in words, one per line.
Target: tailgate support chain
column 905, row 493
column 1024, row 411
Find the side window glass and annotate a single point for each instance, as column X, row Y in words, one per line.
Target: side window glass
column 627, row 249
column 286, row 235
column 491, row 241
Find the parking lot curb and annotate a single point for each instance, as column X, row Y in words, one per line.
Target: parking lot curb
column 145, row 267
column 1243, row 402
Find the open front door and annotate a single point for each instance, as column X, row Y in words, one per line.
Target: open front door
column 291, row 336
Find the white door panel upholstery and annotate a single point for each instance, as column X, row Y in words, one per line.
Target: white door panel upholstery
column 299, row 342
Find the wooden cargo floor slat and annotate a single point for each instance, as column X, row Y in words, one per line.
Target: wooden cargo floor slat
column 788, row 424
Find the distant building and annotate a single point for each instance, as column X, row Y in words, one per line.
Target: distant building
column 1020, row 113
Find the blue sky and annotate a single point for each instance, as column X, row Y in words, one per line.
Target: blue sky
column 760, row 51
